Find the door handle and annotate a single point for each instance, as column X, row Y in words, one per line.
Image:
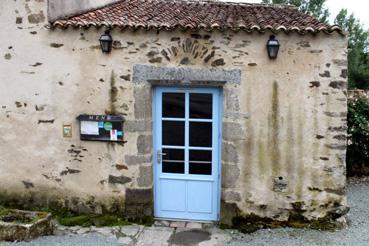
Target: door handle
column 160, row 155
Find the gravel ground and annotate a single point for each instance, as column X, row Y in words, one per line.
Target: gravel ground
column 89, row 239
column 357, row 234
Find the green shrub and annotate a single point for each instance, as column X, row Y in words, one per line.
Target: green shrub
column 358, row 137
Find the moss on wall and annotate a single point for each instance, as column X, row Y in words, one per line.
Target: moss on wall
column 275, row 154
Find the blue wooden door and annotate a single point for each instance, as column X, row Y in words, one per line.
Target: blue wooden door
column 186, row 140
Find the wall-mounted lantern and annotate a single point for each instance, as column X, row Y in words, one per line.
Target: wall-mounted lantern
column 273, row 47
column 106, row 42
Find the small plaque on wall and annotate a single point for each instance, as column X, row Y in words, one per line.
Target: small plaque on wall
column 101, row 127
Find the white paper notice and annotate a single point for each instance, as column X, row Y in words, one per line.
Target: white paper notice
column 90, row 127
column 114, row 135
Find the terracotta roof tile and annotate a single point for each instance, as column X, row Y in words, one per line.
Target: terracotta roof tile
column 172, row 14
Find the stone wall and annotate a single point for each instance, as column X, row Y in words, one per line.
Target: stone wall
column 284, row 123
column 58, row 9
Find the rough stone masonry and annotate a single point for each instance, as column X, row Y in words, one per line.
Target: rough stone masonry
column 284, row 121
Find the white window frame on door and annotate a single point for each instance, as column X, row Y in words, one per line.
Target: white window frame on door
column 218, row 137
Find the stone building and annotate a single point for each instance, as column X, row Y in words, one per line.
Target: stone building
column 214, row 129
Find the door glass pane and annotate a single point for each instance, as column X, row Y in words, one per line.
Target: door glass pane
column 174, row 105
column 173, row 133
column 201, row 106
column 200, row 162
column 201, row 134
column 173, row 161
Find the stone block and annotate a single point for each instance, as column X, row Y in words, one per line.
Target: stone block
column 130, row 230
column 230, row 175
column 155, row 236
column 145, row 177
column 231, row 100
column 125, row 241
column 139, row 196
column 138, row 125
column 233, row 131
column 231, row 196
column 178, row 224
column 229, row 153
column 144, row 144
column 194, row 225
column 142, row 105
column 137, row 159
column 148, row 211
column 19, row 225
column 118, row 179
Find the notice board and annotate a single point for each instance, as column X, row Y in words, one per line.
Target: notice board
column 101, row 127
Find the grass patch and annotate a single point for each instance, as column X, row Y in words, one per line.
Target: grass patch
column 87, row 220
column 4, row 211
column 67, row 218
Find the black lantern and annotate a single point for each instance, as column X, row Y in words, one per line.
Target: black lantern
column 273, row 47
column 106, row 42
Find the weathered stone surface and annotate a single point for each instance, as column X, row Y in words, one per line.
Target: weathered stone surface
column 194, row 225
column 130, row 230
column 336, row 114
column 338, row 84
column 126, row 241
column 143, row 73
column 314, row 84
column 230, row 174
column 231, row 196
column 138, row 196
column 145, row 178
column 59, row 9
column 257, row 119
column 218, row 62
column 233, row 131
column 231, row 100
column 340, row 62
column 336, row 146
column 178, row 224
column 144, row 144
column 28, row 184
column 155, row 236
column 69, row 171
column 119, row 179
column 137, row 159
column 36, row 18
column 137, row 125
column 19, row 20
column 337, row 128
column 326, row 74
column 142, row 105
column 56, row 45
column 304, row 44
column 280, row 184
column 229, row 153
column 20, row 225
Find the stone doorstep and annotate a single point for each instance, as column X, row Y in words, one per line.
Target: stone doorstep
column 183, row 224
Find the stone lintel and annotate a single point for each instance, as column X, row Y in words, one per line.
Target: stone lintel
column 185, row 76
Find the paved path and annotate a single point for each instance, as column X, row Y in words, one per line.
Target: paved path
column 192, row 234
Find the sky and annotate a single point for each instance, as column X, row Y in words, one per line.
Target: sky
column 358, row 7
